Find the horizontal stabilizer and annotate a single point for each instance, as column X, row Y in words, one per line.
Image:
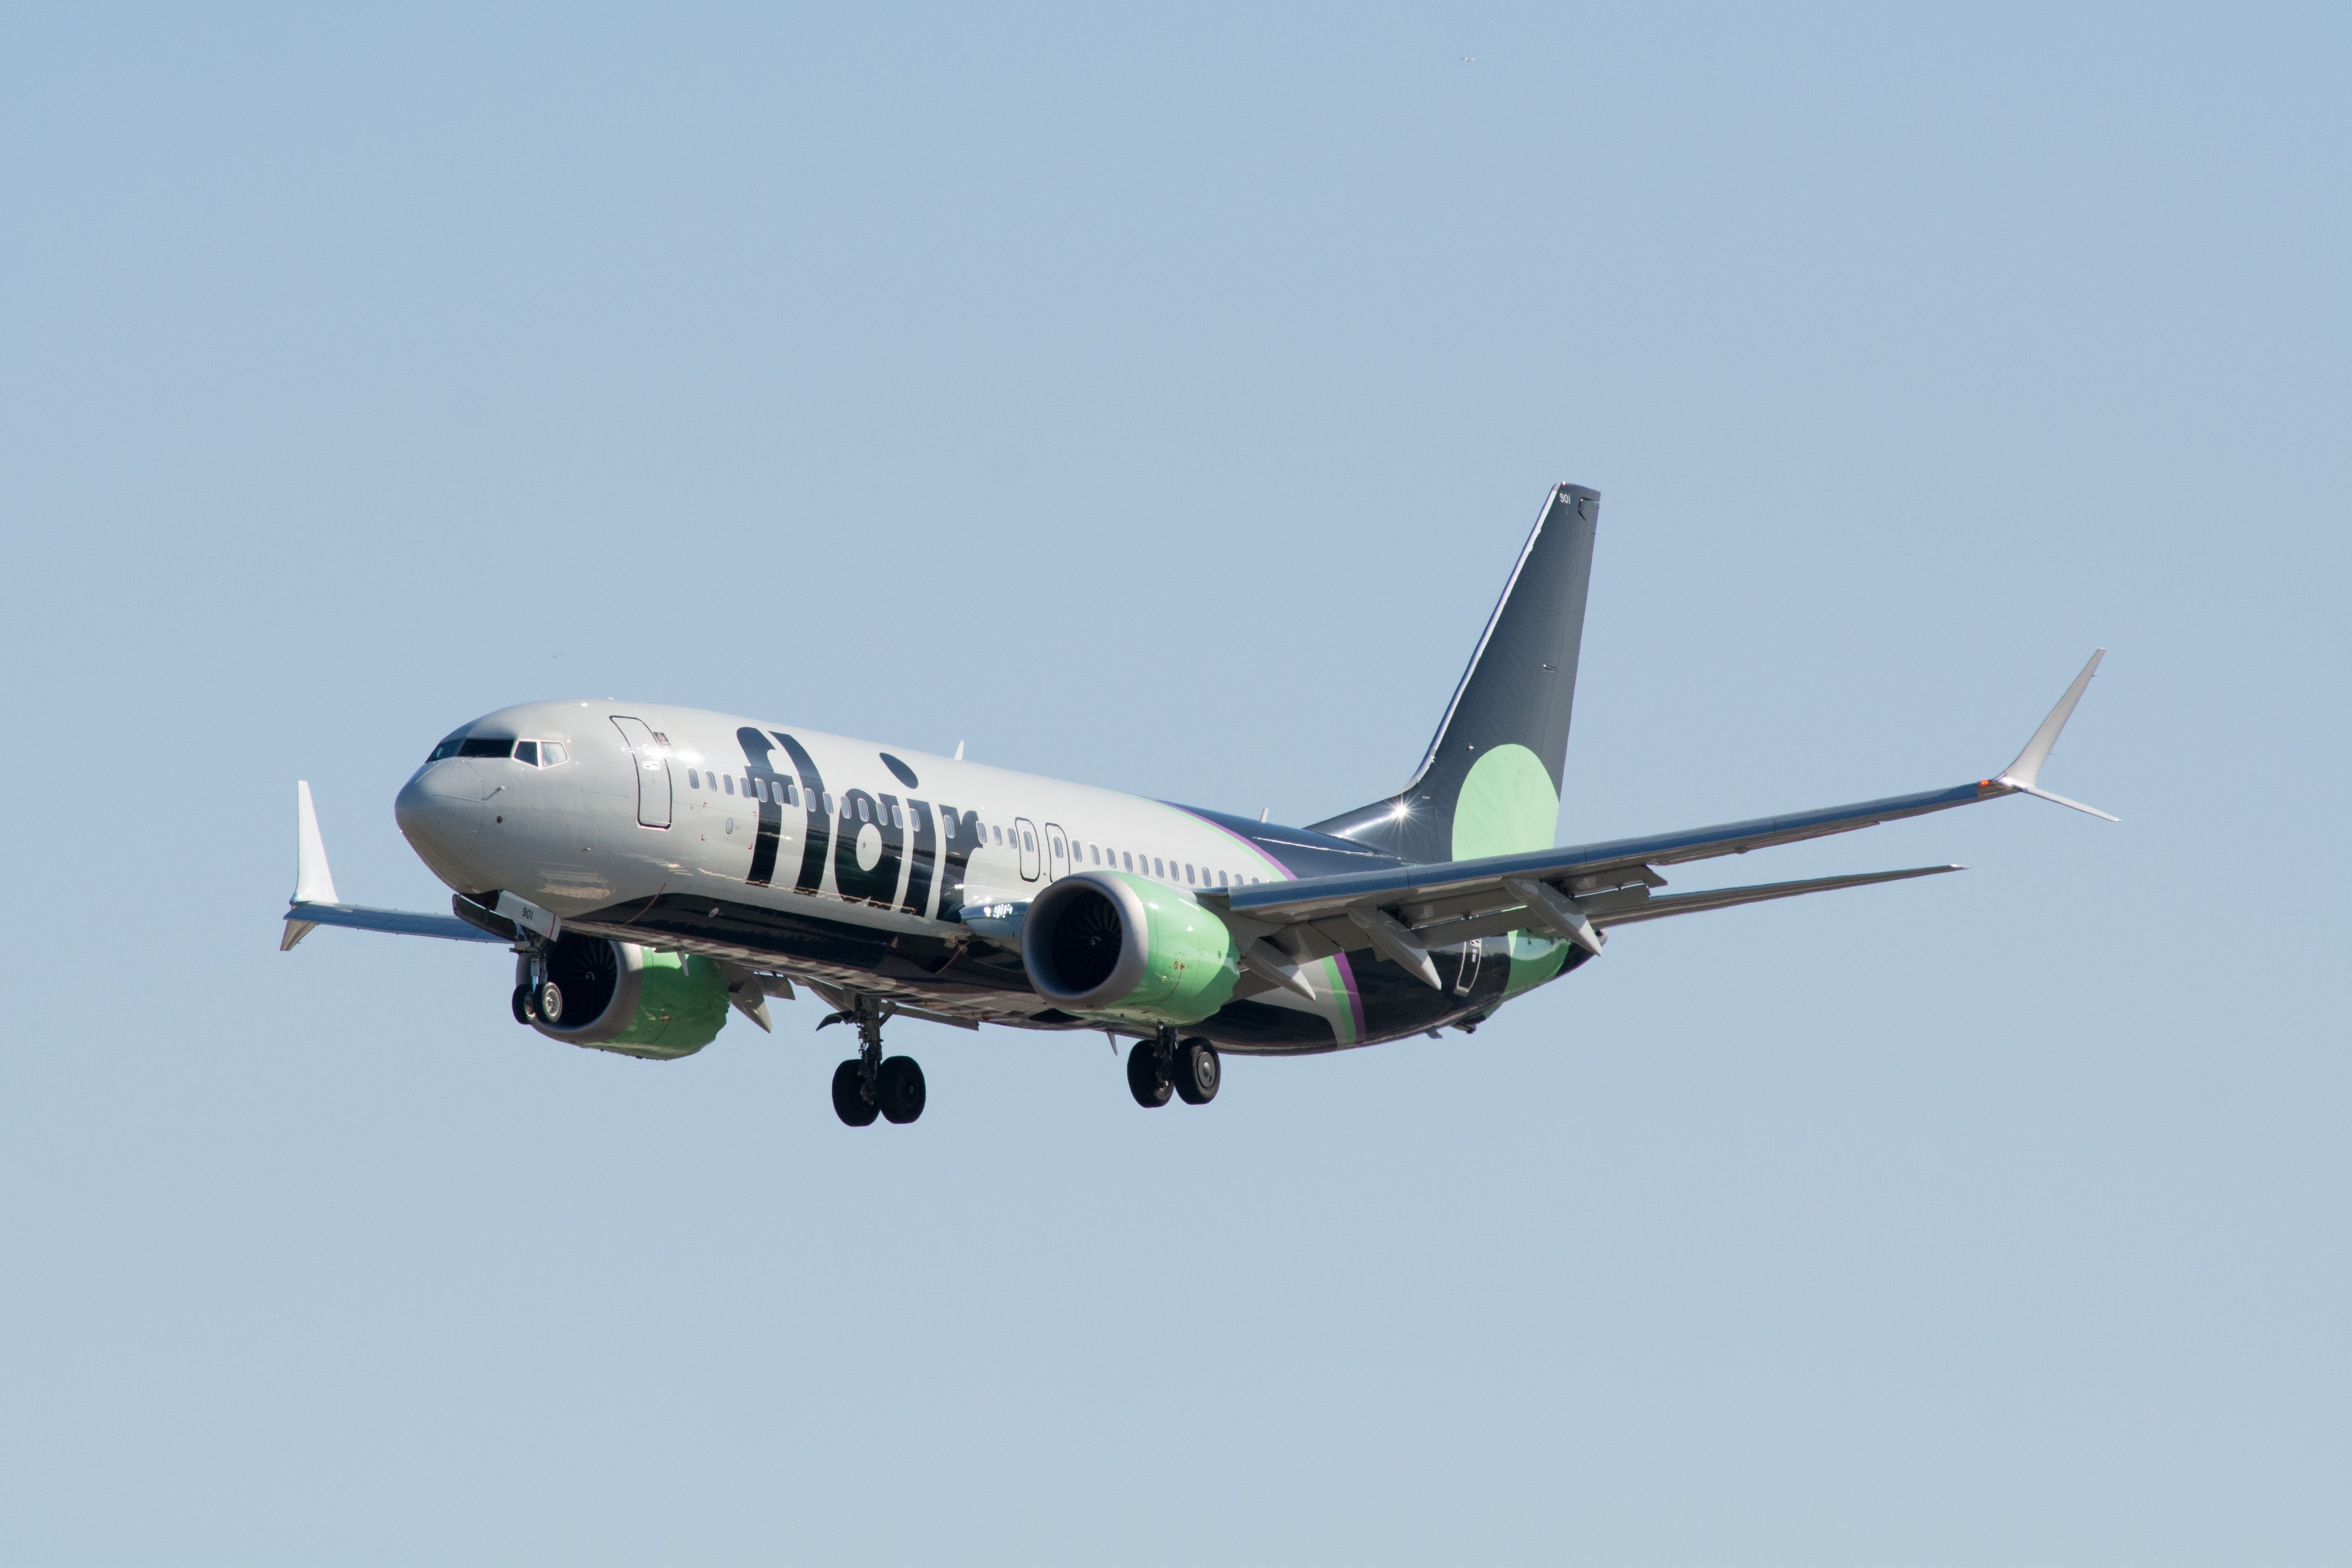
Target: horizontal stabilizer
column 1728, row 897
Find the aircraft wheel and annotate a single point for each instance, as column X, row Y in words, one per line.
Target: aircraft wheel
column 522, row 1004
column 902, row 1090
column 549, row 1002
column 1198, row 1071
column 849, row 1101
column 1143, row 1076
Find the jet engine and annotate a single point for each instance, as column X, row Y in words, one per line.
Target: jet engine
column 1114, row 946
column 619, row 996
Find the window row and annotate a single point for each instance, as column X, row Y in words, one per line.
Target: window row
column 779, row 791
column 1083, row 854
column 784, row 792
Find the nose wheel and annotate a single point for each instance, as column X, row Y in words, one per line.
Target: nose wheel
column 869, row 1084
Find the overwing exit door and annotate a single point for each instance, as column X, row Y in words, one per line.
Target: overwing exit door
column 651, row 755
column 1027, row 832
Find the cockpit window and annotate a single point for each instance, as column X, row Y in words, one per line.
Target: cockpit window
column 526, row 752
column 487, row 746
column 552, row 754
column 448, row 748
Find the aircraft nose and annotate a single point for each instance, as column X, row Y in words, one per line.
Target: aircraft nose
column 440, row 814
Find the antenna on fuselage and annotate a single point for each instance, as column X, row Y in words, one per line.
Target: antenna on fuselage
column 959, row 756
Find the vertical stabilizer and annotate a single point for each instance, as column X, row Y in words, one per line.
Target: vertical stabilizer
column 1490, row 782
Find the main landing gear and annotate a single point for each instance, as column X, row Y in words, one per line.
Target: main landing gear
column 869, row 1084
column 1163, row 1066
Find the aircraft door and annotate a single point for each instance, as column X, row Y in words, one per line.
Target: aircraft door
column 651, row 754
column 1028, row 847
column 1057, row 853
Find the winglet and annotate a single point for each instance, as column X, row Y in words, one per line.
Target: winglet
column 2024, row 775
column 313, row 883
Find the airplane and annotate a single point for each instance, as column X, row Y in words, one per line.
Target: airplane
column 651, row 867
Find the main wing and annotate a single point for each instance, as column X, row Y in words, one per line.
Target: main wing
column 314, row 903
column 1579, row 890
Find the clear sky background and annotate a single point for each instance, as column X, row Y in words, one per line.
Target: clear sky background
column 1159, row 402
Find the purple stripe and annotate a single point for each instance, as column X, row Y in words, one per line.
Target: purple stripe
column 1355, row 1002
column 1249, row 844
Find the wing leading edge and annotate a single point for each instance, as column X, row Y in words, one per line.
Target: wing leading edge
column 1579, row 890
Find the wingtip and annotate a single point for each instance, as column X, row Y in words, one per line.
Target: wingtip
column 2026, row 771
column 313, row 883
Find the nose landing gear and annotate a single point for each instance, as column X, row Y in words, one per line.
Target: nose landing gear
column 869, row 1084
column 1163, row 1066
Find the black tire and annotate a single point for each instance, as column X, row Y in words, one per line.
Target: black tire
column 522, row 1003
column 849, row 1101
column 1198, row 1071
column 1143, row 1079
column 901, row 1089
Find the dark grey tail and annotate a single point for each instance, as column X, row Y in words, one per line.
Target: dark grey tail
column 1490, row 784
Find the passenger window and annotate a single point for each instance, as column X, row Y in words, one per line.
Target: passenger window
column 1129, row 861
column 1095, row 850
column 1158, row 869
column 897, row 818
column 759, row 790
column 1029, row 842
column 863, row 815
column 829, row 805
column 730, row 784
column 791, row 794
column 1188, row 873
column 693, row 779
column 526, row 752
column 1000, row 834
column 552, row 754
column 1221, row 878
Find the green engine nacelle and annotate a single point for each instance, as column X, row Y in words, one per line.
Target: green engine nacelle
column 1129, row 948
column 618, row 996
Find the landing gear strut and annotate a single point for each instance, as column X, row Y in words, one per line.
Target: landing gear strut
column 537, row 999
column 869, row 1084
column 1163, row 1065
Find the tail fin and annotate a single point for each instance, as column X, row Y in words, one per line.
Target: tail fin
column 1490, row 784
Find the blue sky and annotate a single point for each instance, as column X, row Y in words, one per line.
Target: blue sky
column 1158, row 401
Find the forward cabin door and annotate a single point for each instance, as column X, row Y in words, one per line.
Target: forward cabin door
column 1057, row 853
column 1028, row 847
column 651, row 752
